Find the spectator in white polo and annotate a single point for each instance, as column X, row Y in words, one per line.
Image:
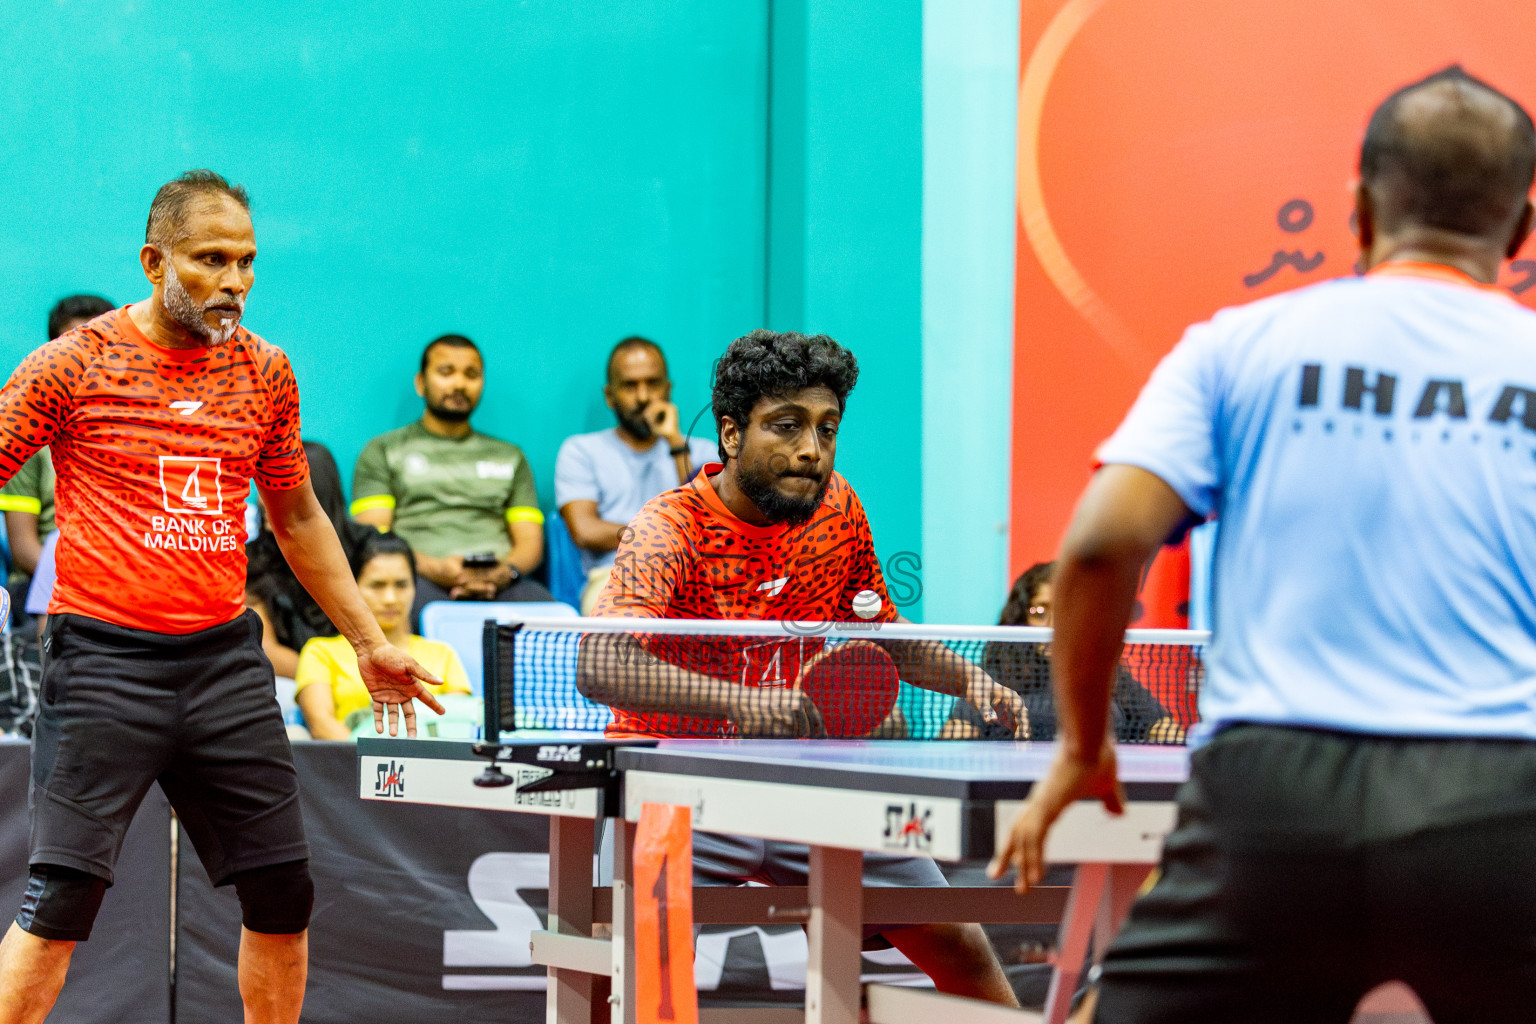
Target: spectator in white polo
column 463, row 500
column 604, row 478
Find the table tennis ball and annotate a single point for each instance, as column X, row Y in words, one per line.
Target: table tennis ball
column 866, row 604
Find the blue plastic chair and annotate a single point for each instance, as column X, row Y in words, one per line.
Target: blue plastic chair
column 460, row 624
column 543, row 663
column 562, row 560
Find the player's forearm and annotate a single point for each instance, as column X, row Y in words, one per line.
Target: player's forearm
column 931, row 665
column 613, row 669
column 1122, row 518
column 1093, row 601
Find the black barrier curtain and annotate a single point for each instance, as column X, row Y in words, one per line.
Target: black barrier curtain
column 123, row 974
column 424, row 913
column 421, row 913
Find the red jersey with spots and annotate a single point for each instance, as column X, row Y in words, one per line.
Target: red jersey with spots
column 154, row 450
column 685, row 556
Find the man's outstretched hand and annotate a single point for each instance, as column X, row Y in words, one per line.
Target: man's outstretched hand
column 395, row 680
column 1069, row 780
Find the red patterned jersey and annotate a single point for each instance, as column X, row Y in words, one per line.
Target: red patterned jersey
column 686, row 556
column 154, row 451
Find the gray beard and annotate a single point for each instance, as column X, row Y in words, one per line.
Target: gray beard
column 190, row 315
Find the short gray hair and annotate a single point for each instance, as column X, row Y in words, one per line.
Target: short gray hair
column 168, row 213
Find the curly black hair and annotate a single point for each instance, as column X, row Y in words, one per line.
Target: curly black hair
column 772, row 364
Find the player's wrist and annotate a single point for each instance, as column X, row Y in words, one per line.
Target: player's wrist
column 1071, row 748
column 736, row 705
column 367, row 646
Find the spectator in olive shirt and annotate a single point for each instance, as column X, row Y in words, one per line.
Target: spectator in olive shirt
column 27, row 498
column 452, row 492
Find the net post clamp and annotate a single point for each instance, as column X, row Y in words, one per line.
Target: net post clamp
column 581, row 764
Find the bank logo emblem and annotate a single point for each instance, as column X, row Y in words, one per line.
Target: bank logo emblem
column 389, row 780
column 191, row 485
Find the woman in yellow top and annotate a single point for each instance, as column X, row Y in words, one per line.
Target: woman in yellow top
column 330, row 690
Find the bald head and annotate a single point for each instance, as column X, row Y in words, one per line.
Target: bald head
column 1449, row 153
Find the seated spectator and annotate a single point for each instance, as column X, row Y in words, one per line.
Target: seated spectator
column 330, row 690
column 290, row 618
column 1137, row 716
column 463, row 500
column 27, row 498
column 604, row 478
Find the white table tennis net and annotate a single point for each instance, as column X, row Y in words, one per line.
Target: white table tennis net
column 641, row 675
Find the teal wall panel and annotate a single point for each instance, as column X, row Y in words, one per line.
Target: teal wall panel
column 850, row 264
column 545, row 178
column 970, row 90
column 542, row 177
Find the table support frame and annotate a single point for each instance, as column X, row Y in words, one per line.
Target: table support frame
column 569, row 998
column 836, row 933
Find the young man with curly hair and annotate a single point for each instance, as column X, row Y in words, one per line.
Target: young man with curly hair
column 774, row 533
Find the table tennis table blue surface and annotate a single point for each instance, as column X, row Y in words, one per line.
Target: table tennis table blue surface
column 970, row 769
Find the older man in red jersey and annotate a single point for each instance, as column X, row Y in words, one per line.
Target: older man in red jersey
column 160, row 415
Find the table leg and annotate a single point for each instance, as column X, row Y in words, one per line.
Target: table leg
column 1077, row 926
column 836, row 931
column 1125, row 882
column 570, row 913
column 623, row 996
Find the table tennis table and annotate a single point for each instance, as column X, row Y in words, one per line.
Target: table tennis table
column 947, row 800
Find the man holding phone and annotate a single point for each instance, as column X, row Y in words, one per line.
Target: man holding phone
column 463, row 500
column 604, row 478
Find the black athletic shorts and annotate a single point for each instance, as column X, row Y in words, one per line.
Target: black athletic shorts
column 124, row 708
column 1308, row 867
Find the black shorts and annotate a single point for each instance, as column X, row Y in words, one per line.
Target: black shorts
column 124, row 708
column 1309, row 866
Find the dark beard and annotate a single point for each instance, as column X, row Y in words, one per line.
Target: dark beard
column 778, row 507
column 637, row 425
column 449, row 415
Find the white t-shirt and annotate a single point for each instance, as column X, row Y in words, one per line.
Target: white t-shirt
column 600, row 467
column 1369, row 447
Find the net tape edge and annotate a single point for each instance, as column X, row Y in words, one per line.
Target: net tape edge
column 839, row 630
